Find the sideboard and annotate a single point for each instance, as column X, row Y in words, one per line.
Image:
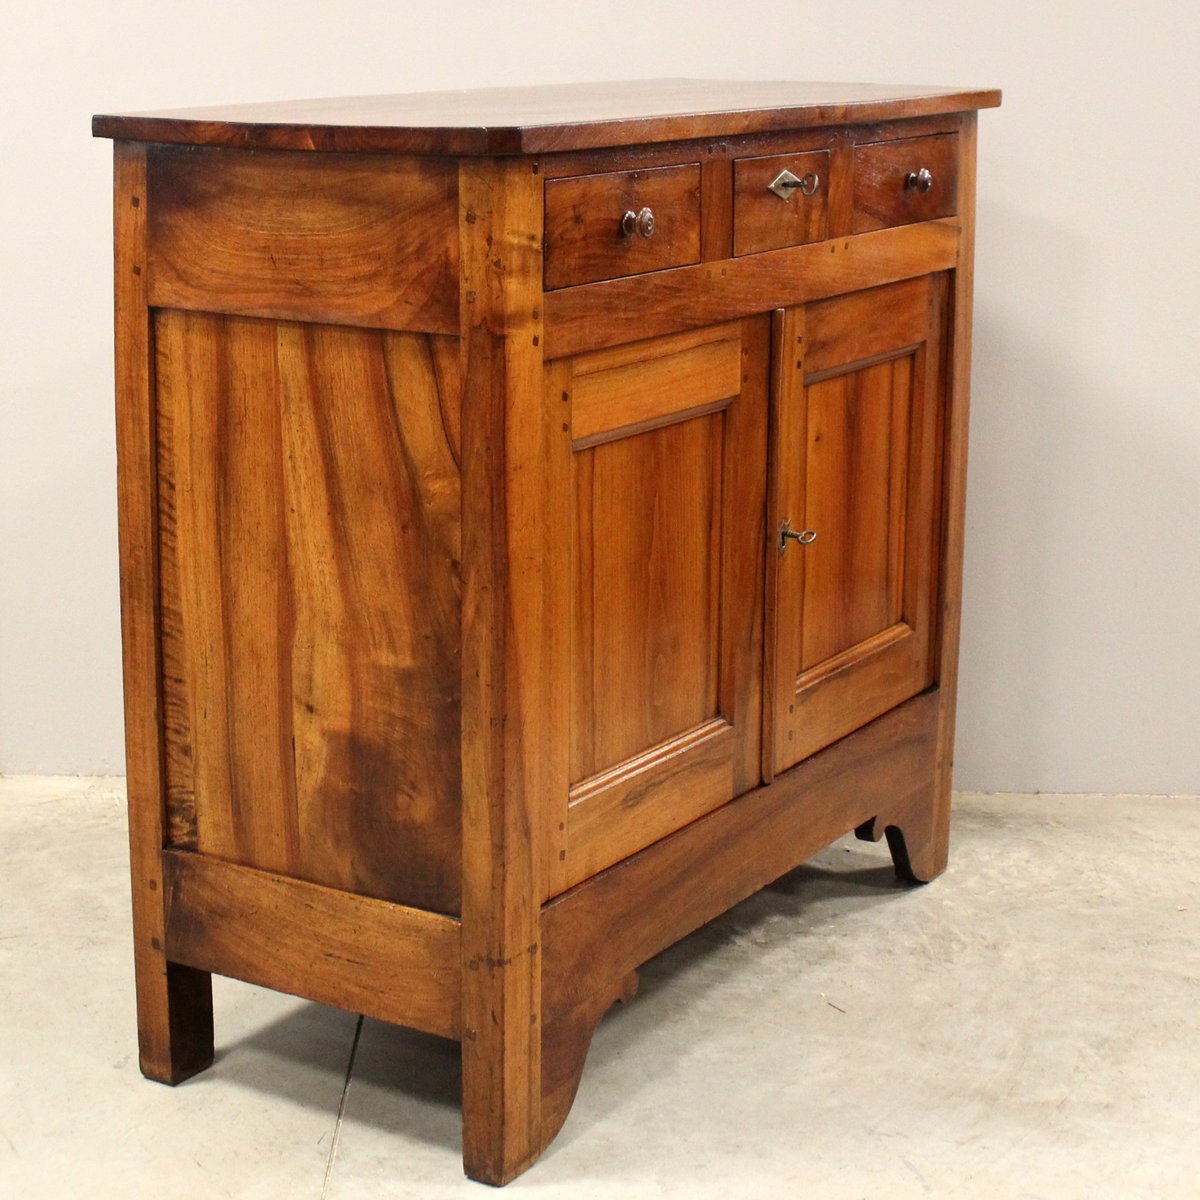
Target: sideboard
column 541, row 519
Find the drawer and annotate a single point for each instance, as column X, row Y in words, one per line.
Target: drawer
column 899, row 182
column 764, row 219
column 588, row 237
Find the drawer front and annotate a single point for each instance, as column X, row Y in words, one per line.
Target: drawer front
column 766, row 219
column 587, row 238
column 912, row 179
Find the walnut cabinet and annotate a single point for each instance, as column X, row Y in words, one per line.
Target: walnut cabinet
column 541, row 517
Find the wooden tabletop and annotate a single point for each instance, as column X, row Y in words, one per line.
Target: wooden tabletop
column 540, row 119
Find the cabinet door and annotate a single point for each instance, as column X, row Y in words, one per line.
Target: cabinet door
column 666, row 493
column 856, row 464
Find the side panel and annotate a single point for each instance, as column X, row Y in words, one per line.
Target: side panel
column 309, row 534
column 343, row 238
column 263, row 928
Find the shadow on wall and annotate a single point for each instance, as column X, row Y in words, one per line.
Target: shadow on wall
column 1080, row 652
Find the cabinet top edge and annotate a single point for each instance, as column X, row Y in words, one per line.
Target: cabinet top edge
column 539, row 119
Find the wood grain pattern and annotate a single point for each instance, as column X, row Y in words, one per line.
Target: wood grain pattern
column 856, row 488
column 174, row 1002
column 765, row 221
column 624, row 809
column 541, row 119
column 647, row 589
column 860, row 400
column 860, row 328
column 514, row 707
column 784, row 481
column 881, row 195
column 383, row 960
column 601, row 930
column 694, row 372
column 744, row 554
column 309, row 493
column 584, row 238
column 625, row 310
column 330, row 238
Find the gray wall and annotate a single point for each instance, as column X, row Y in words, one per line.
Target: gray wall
column 1081, row 630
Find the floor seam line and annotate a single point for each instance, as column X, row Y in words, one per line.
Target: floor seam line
column 341, row 1112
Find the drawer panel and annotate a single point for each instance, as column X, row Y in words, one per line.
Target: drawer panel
column 764, row 220
column 886, row 191
column 584, row 237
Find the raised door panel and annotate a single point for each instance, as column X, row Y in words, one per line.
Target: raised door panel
column 647, row 589
column 856, row 464
column 666, row 439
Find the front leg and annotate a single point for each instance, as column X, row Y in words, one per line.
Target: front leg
column 566, row 1040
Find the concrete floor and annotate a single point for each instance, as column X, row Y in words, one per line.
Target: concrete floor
column 1027, row 1026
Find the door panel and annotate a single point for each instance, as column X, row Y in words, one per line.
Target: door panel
column 856, row 463
column 666, row 569
column 647, row 587
column 857, row 471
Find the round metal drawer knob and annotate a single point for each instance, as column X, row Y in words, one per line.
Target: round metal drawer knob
column 921, row 180
column 638, row 222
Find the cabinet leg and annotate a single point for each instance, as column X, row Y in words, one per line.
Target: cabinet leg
column 174, row 1002
column 503, row 1138
column 565, row 1045
column 500, row 1069
column 918, row 835
column 175, row 1019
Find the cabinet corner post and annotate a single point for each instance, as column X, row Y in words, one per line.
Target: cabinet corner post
column 174, row 1002
column 508, row 665
column 928, row 861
